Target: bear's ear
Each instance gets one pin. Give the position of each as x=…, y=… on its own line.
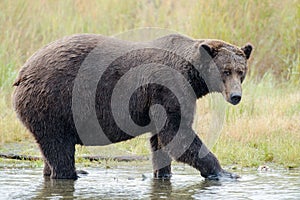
x=247, y=49
x=207, y=49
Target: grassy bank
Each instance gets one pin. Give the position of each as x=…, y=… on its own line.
x=263, y=128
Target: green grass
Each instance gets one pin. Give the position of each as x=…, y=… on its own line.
x=263, y=128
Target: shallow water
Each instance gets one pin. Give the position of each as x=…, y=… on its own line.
x=129, y=182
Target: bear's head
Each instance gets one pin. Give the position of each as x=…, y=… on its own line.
x=223, y=67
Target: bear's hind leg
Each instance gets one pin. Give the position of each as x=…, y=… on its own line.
x=47, y=169
x=59, y=155
x=161, y=160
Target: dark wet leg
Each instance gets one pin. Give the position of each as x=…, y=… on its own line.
x=192, y=151
x=47, y=169
x=161, y=160
x=59, y=155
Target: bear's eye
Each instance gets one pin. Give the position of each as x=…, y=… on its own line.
x=240, y=73
x=227, y=73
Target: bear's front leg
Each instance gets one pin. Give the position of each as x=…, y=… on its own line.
x=161, y=160
x=194, y=153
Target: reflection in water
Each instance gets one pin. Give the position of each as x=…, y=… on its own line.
x=137, y=183
x=56, y=188
x=162, y=189
x=116, y=187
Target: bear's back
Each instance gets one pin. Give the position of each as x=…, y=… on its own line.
x=64, y=54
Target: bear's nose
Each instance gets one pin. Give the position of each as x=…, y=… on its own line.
x=235, y=98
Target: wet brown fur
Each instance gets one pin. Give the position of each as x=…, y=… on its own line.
x=43, y=96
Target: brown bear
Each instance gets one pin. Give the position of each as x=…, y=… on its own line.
x=91, y=89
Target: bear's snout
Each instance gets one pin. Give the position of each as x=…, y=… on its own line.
x=235, y=98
